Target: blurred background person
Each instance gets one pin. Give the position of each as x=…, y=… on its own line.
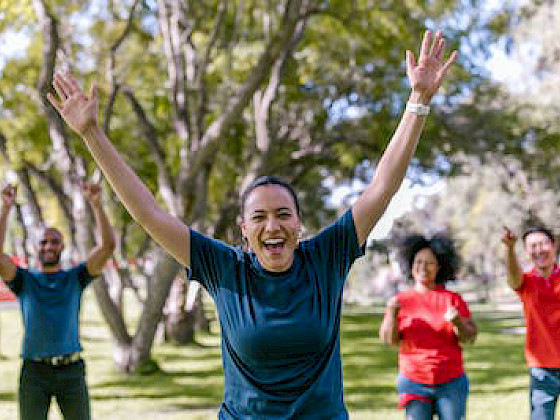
x=539, y=290
x=50, y=299
x=428, y=323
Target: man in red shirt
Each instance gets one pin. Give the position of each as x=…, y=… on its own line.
x=539, y=290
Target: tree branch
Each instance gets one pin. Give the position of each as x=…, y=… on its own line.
x=263, y=100
x=61, y=197
x=23, y=177
x=173, y=43
x=200, y=82
x=295, y=11
x=150, y=134
x=51, y=45
x=115, y=85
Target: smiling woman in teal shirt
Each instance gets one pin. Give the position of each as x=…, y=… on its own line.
x=278, y=304
x=280, y=329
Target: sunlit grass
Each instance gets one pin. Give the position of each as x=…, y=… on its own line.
x=190, y=385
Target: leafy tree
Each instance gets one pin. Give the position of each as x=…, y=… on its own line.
x=531, y=43
x=492, y=192
x=203, y=96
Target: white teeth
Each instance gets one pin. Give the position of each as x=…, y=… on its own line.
x=273, y=241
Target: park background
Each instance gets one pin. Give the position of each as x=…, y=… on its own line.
x=202, y=96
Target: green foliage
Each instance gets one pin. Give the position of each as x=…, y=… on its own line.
x=16, y=15
x=340, y=94
x=489, y=193
x=532, y=27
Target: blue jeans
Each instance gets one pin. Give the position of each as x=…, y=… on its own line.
x=545, y=388
x=449, y=400
x=39, y=382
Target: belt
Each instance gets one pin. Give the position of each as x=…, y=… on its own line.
x=65, y=359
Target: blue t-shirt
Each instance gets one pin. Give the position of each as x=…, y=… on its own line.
x=280, y=331
x=50, y=307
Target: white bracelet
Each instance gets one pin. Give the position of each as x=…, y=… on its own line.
x=418, y=108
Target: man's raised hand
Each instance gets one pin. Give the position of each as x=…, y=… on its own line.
x=92, y=193
x=8, y=196
x=508, y=237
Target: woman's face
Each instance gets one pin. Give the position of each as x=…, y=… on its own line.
x=271, y=226
x=425, y=268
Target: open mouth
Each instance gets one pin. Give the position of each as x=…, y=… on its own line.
x=275, y=245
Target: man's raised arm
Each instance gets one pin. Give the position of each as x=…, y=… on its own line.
x=7, y=267
x=105, y=239
x=514, y=272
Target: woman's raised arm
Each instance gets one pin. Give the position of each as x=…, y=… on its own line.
x=79, y=110
x=425, y=78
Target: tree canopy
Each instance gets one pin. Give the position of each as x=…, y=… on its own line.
x=203, y=96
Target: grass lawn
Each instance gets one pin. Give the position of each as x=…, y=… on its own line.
x=191, y=386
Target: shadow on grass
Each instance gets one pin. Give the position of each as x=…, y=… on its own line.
x=198, y=388
x=192, y=376
x=197, y=394
x=369, y=367
x=497, y=358
x=7, y=396
x=180, y=354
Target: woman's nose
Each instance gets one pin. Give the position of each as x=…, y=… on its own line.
x=271, y=223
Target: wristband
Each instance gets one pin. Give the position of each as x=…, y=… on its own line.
x=418, y=108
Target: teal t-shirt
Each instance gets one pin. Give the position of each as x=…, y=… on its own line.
x=50, y=307
x=280, y=331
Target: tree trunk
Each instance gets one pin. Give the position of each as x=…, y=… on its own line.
x=184, y=313
x=200, y=139
x=129, y=359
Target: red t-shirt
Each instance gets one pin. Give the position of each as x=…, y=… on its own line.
x=541, y=305
x=429, y=350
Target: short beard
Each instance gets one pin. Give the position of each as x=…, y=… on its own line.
x=50, y=263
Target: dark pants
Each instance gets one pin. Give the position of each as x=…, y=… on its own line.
x=39, y=382
x=545, y=389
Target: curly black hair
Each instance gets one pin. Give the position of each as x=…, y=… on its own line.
x=443, y=248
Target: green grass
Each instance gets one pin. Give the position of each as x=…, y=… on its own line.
x=190, y=386
x=495, y=366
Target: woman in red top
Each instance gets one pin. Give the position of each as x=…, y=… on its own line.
x=428, y=323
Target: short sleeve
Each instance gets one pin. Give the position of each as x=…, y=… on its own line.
x=524, y=285
x=336, y=247
x=83, y=275
x=17, y=283
x=461, y=306
x=212, y=262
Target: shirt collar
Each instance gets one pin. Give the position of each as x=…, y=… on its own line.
x=555, y=271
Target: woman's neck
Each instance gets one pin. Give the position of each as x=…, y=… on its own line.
x=422, y=288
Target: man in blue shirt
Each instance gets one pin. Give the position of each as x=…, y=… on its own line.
x=50, y=304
